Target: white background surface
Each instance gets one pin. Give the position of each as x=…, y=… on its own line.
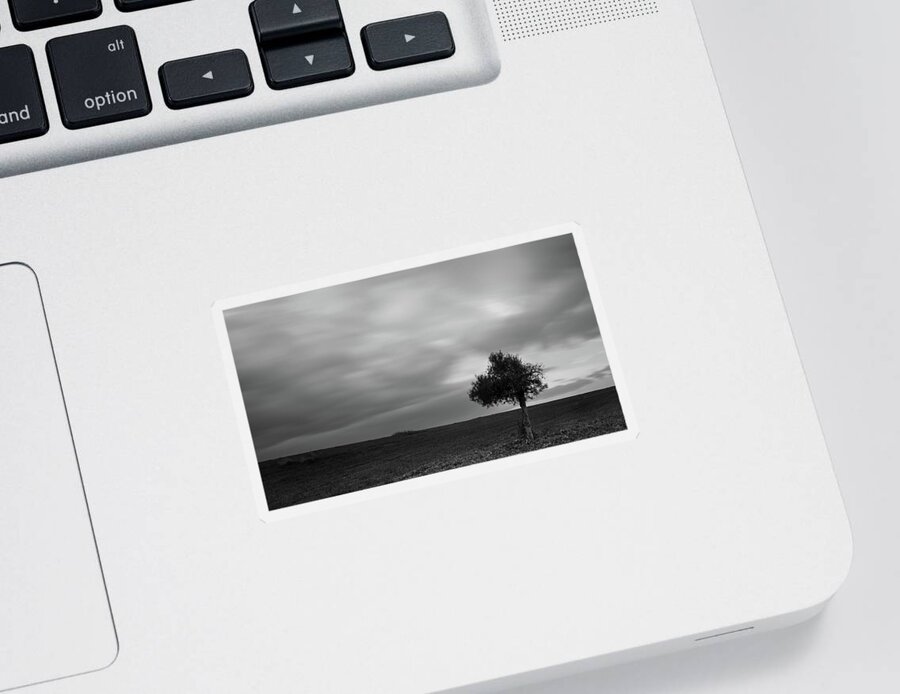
x=812, y=93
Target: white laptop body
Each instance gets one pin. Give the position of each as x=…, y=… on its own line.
x=239, y=407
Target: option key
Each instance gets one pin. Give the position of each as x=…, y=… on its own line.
x=99, y=77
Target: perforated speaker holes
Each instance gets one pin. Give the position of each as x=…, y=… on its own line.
x=520, y=19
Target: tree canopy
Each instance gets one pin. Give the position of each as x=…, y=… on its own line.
x=508, y=380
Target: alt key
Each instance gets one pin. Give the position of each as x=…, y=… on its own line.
x=99, y=77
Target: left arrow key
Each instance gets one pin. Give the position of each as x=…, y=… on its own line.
x=206, y=79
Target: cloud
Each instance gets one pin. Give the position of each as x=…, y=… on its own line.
x=369, y=358
x=605, y=372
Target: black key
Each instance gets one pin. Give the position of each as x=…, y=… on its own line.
x=131, y=5
x=296, y=64
x=407, y=41
x=284, y=19
x=99, y=77
x=22, y=111
x=206, y=79
x=37, y=14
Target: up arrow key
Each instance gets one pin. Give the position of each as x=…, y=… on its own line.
x=288, y=21
x=408, y=37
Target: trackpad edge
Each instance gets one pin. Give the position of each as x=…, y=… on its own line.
x=55, y=618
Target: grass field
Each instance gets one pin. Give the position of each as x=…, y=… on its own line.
x=330, y=472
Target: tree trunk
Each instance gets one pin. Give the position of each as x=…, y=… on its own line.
x=526, y=422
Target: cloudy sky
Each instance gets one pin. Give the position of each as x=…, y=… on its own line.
x=367, y=359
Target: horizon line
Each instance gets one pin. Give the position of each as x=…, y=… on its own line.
x=415, y=431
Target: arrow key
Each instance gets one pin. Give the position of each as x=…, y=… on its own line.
x=408, y=40
x=296, y=64
x=205, y=79
x=275, y=20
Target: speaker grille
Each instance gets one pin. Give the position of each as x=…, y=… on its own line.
x=520, y=19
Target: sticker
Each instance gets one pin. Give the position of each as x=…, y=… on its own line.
x=364, y=384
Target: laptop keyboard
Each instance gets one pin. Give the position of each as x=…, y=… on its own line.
x=99, y=77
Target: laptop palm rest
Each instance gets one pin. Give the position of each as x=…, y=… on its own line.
x=55, y=619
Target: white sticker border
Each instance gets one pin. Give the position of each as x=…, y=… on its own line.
x=496, y=466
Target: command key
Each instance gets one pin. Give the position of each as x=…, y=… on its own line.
x=22, y=111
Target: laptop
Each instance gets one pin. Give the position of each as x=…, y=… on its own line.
x=386, y=347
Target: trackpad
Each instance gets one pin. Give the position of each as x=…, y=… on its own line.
x=55, y=619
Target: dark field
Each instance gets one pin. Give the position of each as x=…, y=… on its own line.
x=330, y=472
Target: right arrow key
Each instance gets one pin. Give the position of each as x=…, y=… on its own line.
x=407, y=41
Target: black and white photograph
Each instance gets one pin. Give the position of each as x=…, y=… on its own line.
x=423, y=370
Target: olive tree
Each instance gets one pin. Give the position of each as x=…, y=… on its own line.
x=509, y=380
